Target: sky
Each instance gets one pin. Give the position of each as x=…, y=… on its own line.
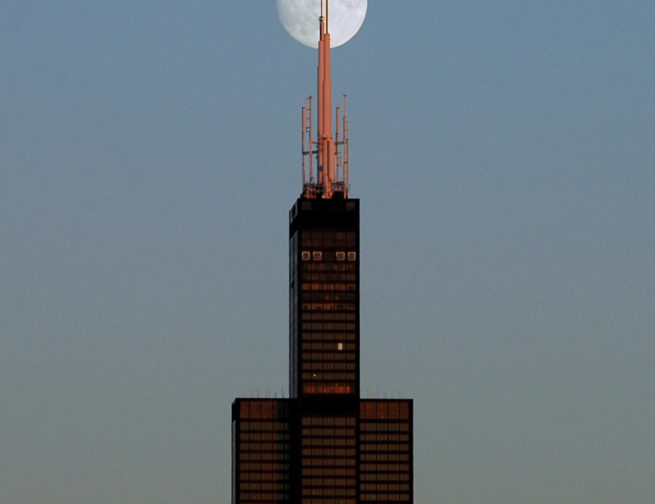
x=504, y=155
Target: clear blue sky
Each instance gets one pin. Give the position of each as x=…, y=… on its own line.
x=504, y=154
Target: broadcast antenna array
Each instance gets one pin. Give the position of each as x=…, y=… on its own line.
x=329, y=178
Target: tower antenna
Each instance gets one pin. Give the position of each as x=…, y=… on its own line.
x=331, y=154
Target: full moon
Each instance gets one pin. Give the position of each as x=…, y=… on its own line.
x=300, y=19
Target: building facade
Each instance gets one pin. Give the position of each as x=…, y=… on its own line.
x=322, y=451
x=324, y=444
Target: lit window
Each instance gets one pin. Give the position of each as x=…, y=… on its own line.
x=341, y=256
x=317, y=255
x=305, y=255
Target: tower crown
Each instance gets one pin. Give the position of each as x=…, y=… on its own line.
x=330, y=178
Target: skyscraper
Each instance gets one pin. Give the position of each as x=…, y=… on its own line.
x=324, y=444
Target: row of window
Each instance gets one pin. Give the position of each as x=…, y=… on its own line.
x=385, y=487
x=329, y=462
x=374, y=480
x=322, y=471
x=328, y=255
x=328, y=377
x=342, y=356
x=270, y=497
x=327, y=366
x=384, y=457
x=378, y=410
x=332, y=482
x=384, y=427
x=384, y=437
x=265, y=487
x=380, y=472
x=264, y=468
x=338, y=316
x=335, y=337
x=323, y=234
x=329, y=306
x=328, y=432
x=384, y=498
x=328, y=452
x=265, y=447
x=329, y=267
x=258, y=456
x=265, y=426
x=328, y=421
x=263, y=436
x=319, y=500
x=263, y=408
x=333, y=345
x=325, y=297
x=310, y=237
x=326, y=388
x=328, y=326
x=384, y=447
x=328, y=441
x=329, y=492
x=385, y=476
x=325, y=442
x=279, y=475
x=378, y=469
x=324, y=276
x=329, y=286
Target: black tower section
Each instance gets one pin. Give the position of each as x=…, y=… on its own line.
x=323, y=445
x=324, y=298
x=324, y=348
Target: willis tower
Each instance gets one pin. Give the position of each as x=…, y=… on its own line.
x=324, y=444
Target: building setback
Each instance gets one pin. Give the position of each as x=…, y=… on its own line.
x=324, y=444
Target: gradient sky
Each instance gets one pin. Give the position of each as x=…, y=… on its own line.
x=504, y=154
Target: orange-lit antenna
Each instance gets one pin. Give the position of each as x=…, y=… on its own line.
x=331, y=156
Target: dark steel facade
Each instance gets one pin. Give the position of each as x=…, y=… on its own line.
x=324, y=298
x=323, y=445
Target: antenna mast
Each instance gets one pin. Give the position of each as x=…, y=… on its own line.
x=331, y=155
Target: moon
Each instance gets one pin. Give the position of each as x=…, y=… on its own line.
x=300, y=19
